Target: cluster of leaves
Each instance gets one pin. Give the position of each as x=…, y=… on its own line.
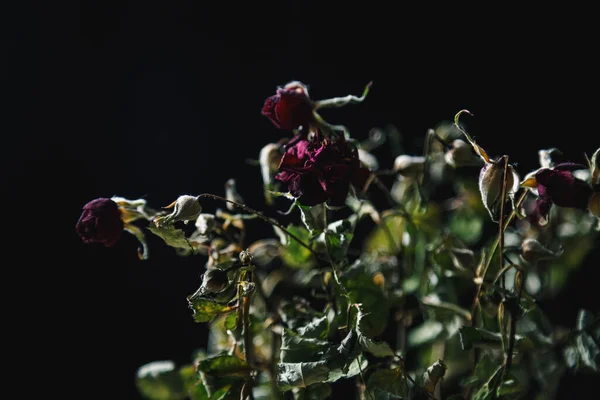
x=423, y=285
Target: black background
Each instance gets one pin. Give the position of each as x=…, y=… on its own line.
x=137, y=99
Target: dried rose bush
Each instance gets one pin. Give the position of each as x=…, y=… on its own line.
x=377, y=276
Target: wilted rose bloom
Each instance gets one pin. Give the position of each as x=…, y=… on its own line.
x=100, y=222
x=559, y=186
x=320, y=170
x=290, y=107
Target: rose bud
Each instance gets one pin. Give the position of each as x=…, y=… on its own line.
x=214, y=280
x=206, y=223
x=491, y=180
x=461, y=154
x=100, y=222
x=559, y=186
x=533, y=251
x=290, y=107
x=186, y=208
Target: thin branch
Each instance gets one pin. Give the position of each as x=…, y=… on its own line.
x=491, y=254
x=342, y=101
x=264, y=218
x=501, y=222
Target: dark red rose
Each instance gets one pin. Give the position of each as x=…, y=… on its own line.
x=100, y=222
x=559, y=186
x=290, y=107
x=320, y=170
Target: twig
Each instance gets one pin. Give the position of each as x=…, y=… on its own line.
x=513, y=331
x=264, y=218
x=491, y=255
x=342, y=101
x=501, y=222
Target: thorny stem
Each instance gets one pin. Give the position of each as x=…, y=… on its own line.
x=491, y=255
x=513, y=332
x=501, y=222
x=245, y=314
x=264, y=218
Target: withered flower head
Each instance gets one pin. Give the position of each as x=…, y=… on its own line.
x=319, y=170
x=100, y=222
x=550, y=157
x=491, y=182
x=533, y=251
x=214, y=280
x=290, y=107
x=186, y=208
x=460, y=154
x=559, y=186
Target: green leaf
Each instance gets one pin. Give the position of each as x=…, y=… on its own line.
x=293, y=254
x=172, y=236
x=295, y=348
x=488, y=390
x=231, y=321
x=224, y=364
x=301, y=375
x=388, y=384
x=375, y=304
x=480, y=338
x=206, y=309
x=348, y=369
x=338, y=240
x=313, y=218
x=318, y=328
x=223, y=374
x=378, y=349
x=193, y=384
x=483, y=370
x=426, y=333
x=466, y=225
x=386, y=238
x=160, y=380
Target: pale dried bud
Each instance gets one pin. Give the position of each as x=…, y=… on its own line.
x=491, y=180
x=214, y=280
x=409, y=166
x=594, y=204
x=533, y=251
x=232, y=194
x=206, y=223
x=368, y=159
x=461, y=154
x=245, y=257
x=269, y=159
x=550, y=157
x=186, y=208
